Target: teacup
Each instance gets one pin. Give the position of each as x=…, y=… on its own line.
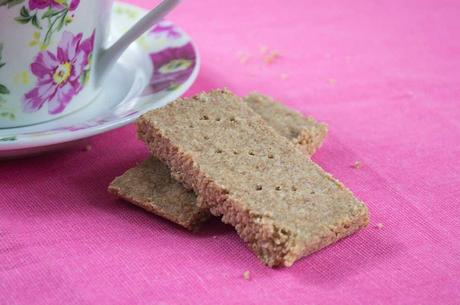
x=53, y=56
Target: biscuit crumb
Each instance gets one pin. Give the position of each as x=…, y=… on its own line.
x=271, y=56
x=357, y=165
x=88, y=148
x=268, y=55
x=379, y=226
x=246, y=275
x=263, y=49
x=243, y=57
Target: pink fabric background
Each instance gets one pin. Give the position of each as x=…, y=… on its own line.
x=385, y=76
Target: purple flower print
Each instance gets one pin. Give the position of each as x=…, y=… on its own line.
x=73, y=5
x=59, y=74
x=42, y=4
x=172, y=67
x=165, y=28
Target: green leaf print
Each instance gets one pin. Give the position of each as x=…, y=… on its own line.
x=51, y=18
x=10, y=3
x=4, y=89
x=24, y=12
x=35, y=22
x=25, y=17
x=1, y=50
x=56, y=21
x=50, y=13
x=7, y=115
x=6, y=139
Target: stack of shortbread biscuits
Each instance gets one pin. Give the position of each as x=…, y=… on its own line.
x=245, y=160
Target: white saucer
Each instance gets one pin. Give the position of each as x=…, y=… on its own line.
x=155, y=70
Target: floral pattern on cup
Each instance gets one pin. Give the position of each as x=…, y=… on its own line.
x=172, y=67
x=55, y=13
x=4, y=91
x=61, y=75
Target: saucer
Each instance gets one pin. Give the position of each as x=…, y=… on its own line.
x=157, y=69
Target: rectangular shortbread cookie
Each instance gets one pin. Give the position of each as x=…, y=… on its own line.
x=303, y=131
x=149, y=186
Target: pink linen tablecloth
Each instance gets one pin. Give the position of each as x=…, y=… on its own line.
x=385, y=76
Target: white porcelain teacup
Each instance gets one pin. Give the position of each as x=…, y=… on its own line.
x=52, y=55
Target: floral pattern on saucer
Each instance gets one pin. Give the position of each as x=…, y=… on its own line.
x=172, y=67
